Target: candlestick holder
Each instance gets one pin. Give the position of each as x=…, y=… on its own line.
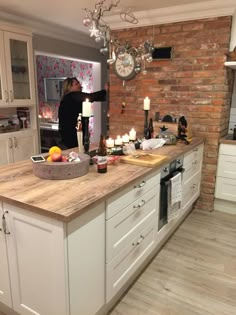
x=86, y=135
x=146, y=124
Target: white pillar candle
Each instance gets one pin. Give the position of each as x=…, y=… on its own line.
x=110, y=143
x=118, y=141
x=132, y=134
x=87, y=109
x=125, y=138
x=146, y=103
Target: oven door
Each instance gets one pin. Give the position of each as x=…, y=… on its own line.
x=168, y=211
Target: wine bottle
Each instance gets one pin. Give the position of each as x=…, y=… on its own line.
x=102, y=156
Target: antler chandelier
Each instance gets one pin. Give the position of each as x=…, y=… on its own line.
x=102, y=33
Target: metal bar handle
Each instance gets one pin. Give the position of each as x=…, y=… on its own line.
x=11, y=96
x=4, y=223
x=6, y=96
x=10, y=143
x=140, y=185
x=139, y=241
x=15, y=142
x=141, y=204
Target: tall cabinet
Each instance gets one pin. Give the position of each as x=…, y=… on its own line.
x=17, y=89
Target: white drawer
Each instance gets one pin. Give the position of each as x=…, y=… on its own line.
x=194, y=154
x=191, y=190
x=225, y=189
x=127, y=196
x=192, y=163
x=125, y=225
x=227, y=149
x=123, y=266
x=227, y=166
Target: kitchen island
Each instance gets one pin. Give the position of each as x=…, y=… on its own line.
x=60, y=238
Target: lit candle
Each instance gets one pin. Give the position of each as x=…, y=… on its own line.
x=118, y=141
x=87, y=109
x=132, y=134
x=110, y=143
x=125, y=138
x=146, y=103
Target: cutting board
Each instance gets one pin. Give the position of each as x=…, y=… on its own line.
x=149, y=160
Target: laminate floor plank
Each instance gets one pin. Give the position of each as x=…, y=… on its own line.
x=193, y=274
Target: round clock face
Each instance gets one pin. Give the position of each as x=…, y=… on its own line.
x=124, y=67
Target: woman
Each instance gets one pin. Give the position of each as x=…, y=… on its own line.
x=70, y=107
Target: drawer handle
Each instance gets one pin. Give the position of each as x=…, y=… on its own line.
x=140, y=185
x=195, y=162
x=138, y=241
x=196, y=149
x=4, y=224
x=194, y=186
x=141, y=204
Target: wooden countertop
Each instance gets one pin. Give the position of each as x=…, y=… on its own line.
x=228, y=139
x=67, y=199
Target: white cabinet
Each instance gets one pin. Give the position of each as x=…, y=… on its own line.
x=35, y=251
x=226, y=173
x=132, y=218
x=48, y=267
x=191, y=177
x=5, y=289
x=17, y=84
x=17, y=146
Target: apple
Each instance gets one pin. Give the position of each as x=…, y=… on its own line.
x=56, y=157
x=64, y=158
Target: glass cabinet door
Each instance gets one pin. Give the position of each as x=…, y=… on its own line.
x=3, y=78
x=20, y=71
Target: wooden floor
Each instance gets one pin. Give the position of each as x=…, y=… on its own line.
x=193, y=274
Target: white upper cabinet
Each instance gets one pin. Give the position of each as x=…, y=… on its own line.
x=17, y=84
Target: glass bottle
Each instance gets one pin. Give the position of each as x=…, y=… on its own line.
x=102, y=156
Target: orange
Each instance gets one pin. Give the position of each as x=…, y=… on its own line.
x=49, y=158
x=54, y=149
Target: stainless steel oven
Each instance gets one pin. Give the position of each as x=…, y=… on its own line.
x=167, y=210
x=49, y=136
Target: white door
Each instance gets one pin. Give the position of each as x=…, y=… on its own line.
x=5, y=289
x=4, y=97
x=36, y=262
x=6, y=149
x=24, y=146
x=20, y=70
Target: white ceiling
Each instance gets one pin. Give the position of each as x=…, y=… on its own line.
x=68, y=15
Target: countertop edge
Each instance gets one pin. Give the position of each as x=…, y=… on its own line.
x=140, y=171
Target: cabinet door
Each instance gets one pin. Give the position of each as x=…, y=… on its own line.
x=24, y=145
x=5, y=289
x=20, y=70
x=3, y=79
x=36, y=263
x=6, y=149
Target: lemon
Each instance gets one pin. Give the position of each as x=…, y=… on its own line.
x=49, y=158
x=54, y=149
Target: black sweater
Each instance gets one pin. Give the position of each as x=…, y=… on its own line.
x=69, y=109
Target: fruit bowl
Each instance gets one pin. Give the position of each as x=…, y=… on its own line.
x=62, y=170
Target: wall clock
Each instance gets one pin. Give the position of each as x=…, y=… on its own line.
x=125, y=67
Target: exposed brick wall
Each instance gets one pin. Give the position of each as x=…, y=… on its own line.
x=194, y=83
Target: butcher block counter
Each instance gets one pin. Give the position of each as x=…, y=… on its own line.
x=66, y=199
